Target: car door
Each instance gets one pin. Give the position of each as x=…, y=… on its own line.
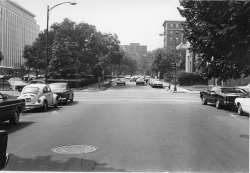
x=48, y=94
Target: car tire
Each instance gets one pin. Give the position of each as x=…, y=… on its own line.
x=20, y=89
x=45, y=106
x=203, y=100
x=240, y=111
x=15, y=119
x=217, y=104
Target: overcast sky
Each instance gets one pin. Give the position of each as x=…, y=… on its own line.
x=134, y=21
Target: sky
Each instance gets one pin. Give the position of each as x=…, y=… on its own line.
x=134, y=21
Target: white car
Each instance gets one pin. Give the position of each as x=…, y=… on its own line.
x=246, y=88
x=120, y=81
x=38, y=96
x=16, y=84
x=157, y=83
x=243, y=105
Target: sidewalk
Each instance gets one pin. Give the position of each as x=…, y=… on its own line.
x=178, y=89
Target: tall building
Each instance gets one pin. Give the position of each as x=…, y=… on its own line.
x=173, y=35
x=135, y=49
x=18, y=28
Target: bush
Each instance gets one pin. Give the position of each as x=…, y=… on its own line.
x=189, y=78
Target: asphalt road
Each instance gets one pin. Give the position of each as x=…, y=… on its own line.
x=131, y=128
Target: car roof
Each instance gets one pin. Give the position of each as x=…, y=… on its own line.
x=36, y=85
x=58, y=83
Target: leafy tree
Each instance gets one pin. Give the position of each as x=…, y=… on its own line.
x=219, y=33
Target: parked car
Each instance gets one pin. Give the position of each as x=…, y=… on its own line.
x=4, y=156
x=16, y=84
x=156, y=83
x=39, y=96
x=37, y=81
x=127, y=76
x=222, y=96
x=246, y=88
x=10, y=109
x=151, y=80
x=140, y=81
x=120, y=81
x=133, y=78
x=147, y=78
x=243, y=105
x=64, y=92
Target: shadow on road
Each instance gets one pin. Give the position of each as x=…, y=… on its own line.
x=45, y=163
x=12, y=128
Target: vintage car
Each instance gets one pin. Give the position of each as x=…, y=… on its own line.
x=133, y=78
x=120, y=80
x=243, y=105
x=222, y=96
x=64, y=92
x=246, y=88
x=4, y=156
x=10, y=109
x=39, y=96
x=156, y=83
x=16, y=84
x=140, y=81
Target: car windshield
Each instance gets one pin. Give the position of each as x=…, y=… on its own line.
x=57, y=86
x=232, y=90
x=34, y=90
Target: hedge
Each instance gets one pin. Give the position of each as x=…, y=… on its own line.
x=190, y=78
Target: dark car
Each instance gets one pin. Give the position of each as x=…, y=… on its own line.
x=64, y=92
x=11, y=109
x=4, y=156
x=222, y=96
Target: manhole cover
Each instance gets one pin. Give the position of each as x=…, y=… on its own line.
x=74, y=149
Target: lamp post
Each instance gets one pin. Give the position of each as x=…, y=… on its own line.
x=175, y=65
x=47, y=35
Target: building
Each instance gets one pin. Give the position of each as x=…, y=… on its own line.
x=17, y=29
x=135, y=49
x=173, y=35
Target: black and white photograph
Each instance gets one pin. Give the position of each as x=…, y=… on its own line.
x=124, y=85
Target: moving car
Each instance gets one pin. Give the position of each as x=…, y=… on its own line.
x=39, y=96
x=140, y=81
x=16, y=84
x=222, y=96
x=10, y=109
x=120, y=81
x=64, y=92
x=156, y=83
x=243, y=105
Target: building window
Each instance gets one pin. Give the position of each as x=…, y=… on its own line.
x=177, y=39
x=171, y=25
x=177, y=25
x=171, y=32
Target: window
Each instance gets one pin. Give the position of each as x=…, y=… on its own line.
x=171, y=25
x=171, y=32
x=177, y=25
x=177, y=39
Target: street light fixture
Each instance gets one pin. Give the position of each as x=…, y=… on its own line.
x=47, y=34
x=175, y=66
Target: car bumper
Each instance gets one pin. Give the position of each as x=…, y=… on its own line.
x=33, y=106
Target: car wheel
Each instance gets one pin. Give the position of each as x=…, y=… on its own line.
x=240, y=111
x=15, y=119
x=203, y=100
x=20, y=89
x=45, y=106
x=217, y=104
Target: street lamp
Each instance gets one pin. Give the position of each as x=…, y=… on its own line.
x=47, y=34
x=175, y=66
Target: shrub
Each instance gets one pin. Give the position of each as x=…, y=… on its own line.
x=190, y=78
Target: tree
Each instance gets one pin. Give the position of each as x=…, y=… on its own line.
x=1, y=56
x=218, y=32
